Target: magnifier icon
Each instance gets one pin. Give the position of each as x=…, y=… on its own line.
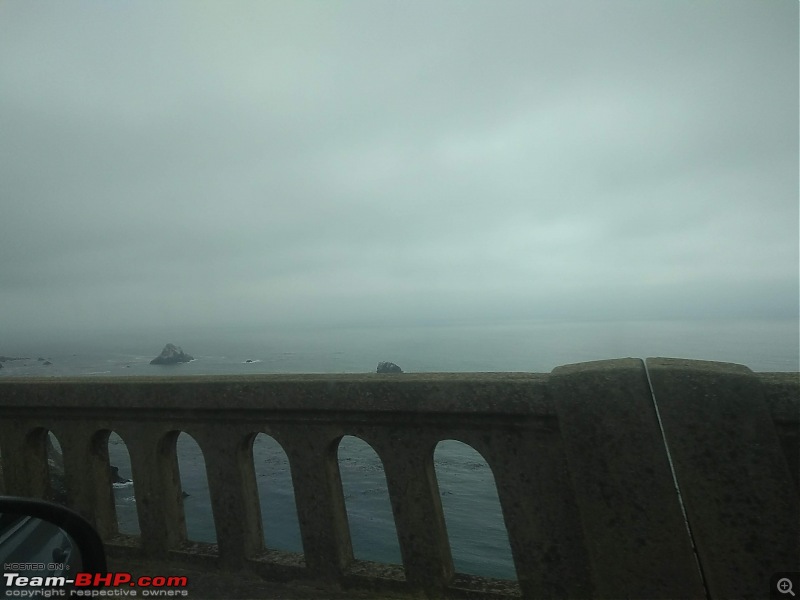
x=785, y=586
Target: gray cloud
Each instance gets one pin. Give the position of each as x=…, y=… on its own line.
x=198, y=164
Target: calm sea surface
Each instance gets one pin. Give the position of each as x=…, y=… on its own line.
x=477, y=535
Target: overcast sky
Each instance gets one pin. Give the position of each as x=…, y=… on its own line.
x=213, y=164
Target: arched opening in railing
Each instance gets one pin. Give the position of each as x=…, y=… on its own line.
x=55, y=466
x=369, y=511
x=194, y=486
x=276, y=495
x=475, y=525
x=122, y=485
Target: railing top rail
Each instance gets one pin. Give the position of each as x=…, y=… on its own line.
x=285, y=377
x=463, y=393
x=494, y=393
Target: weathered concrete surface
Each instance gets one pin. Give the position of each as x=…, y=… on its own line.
x=541, y=515
x=294, y=396
x=234, y=492
x=321, y=511
x=742, y=506
x=634, y=529
x=581, y=468
x=780, y=393
x=414, y=493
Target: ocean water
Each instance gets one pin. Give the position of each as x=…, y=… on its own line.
x=537, y=346
x=475, y=528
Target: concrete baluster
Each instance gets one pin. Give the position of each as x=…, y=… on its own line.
x=321, y=511
x=414, y=492
x=228, y=455
x=154, y=463
x=25, y=461
x=87, y=476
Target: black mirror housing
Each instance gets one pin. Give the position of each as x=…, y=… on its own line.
x=42, y=539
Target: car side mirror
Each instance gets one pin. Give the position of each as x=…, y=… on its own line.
x=40, y=539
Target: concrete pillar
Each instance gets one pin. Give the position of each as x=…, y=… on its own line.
x=539, y=508
x=87, y=476
x=25, y=460
x=636, y=536
x=159, y=504
x=321, y=511
x=741, y=502
x=407, y=458
x=228, y=455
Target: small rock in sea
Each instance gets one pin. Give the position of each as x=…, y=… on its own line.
x=388, y=367
x=115, y=476
x=171, y=355
x=248, y=361
x=47, y=362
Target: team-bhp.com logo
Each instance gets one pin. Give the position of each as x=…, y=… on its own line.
x=93, y=585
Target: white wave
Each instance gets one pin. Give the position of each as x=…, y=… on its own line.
x=251, y=362
x=120, y=486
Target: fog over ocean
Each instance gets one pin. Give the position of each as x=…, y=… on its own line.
x=537, y=346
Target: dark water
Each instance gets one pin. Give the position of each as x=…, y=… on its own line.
x=476, y=532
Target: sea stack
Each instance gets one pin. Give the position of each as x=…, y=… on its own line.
x=170, y=355
x=388, y=367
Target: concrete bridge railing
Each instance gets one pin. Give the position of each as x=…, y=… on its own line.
x=662, y=479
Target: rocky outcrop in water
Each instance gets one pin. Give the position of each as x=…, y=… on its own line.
x=116, y=477
x=388, y=367
x=171, y=355
x=58, y=487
